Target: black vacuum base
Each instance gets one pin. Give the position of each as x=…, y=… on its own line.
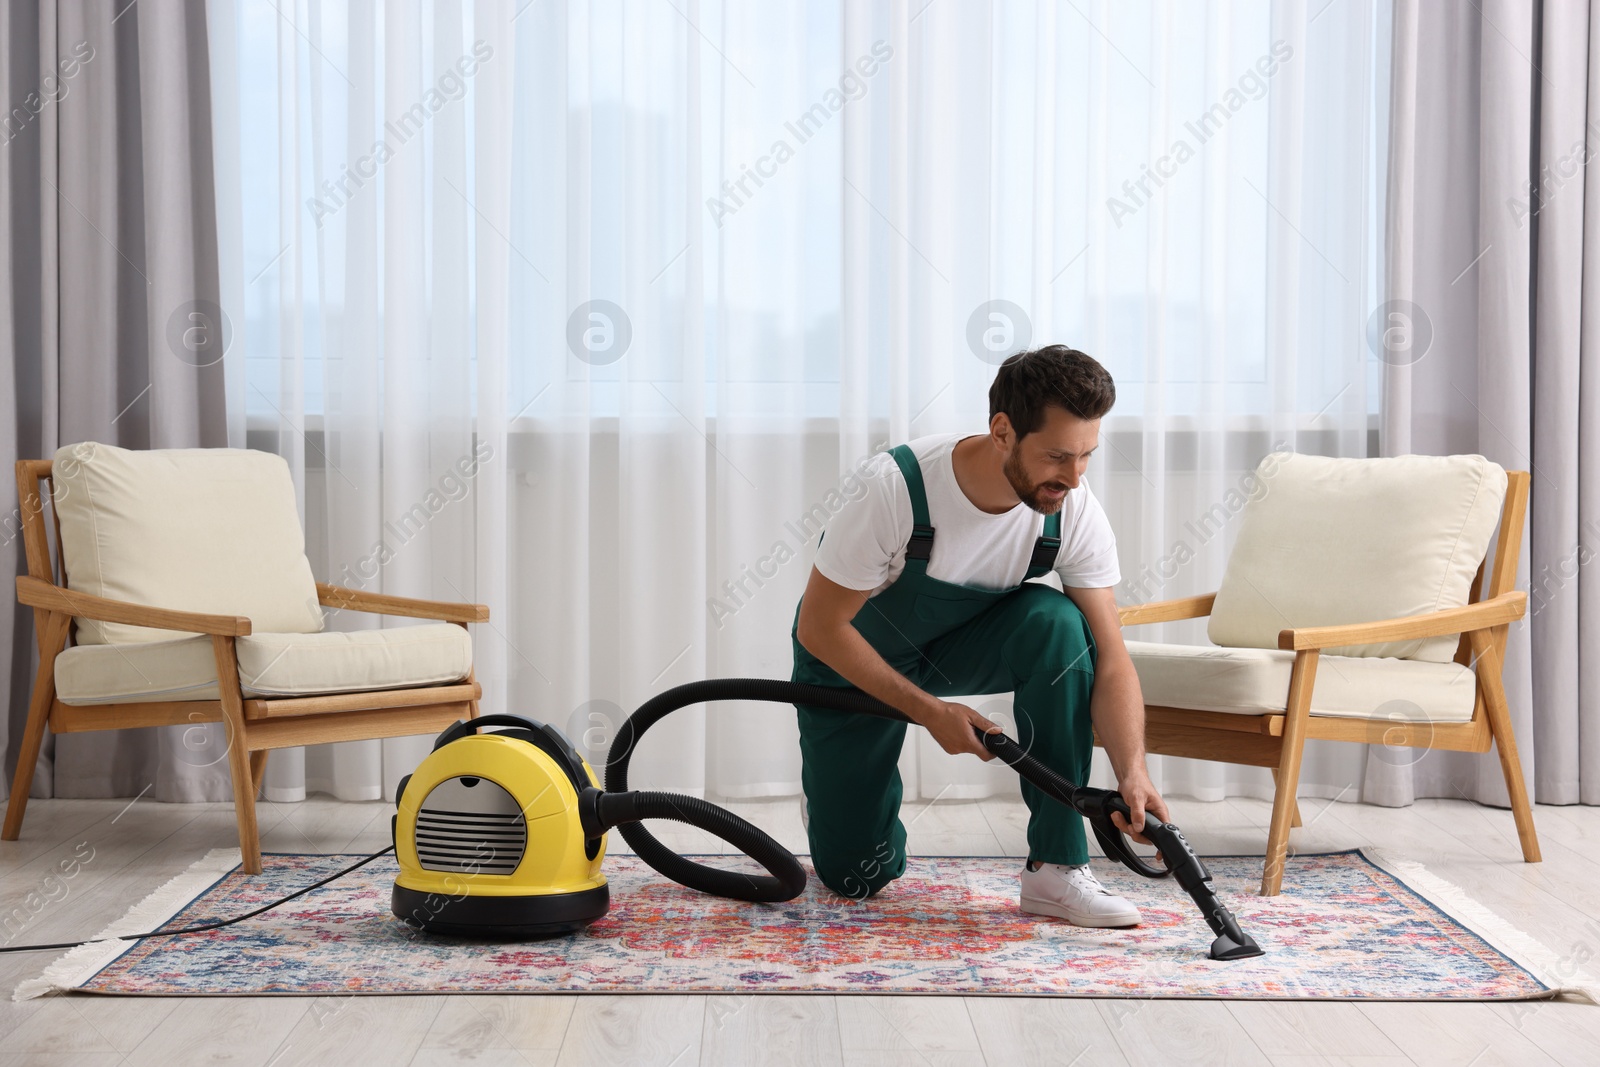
x=1226, y=948
x=536, y=915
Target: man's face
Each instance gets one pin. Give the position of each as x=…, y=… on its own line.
x=1047, y=463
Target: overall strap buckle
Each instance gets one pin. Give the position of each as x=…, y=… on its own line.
x=921, y=544
x=1044, y=553
x=1045, y=549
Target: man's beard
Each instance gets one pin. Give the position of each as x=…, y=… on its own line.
x=1030, y=492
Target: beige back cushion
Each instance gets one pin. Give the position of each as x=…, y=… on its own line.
x=1328, y=541
x=212, y=530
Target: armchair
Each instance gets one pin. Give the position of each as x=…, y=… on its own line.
x=1359, y=604
x=181, y=577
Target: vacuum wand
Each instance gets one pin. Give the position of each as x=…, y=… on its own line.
x=1097, y=805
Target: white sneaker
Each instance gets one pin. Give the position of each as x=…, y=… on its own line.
x=1074, y=894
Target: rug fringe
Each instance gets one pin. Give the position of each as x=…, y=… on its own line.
x=85, y=961
x=1525, y=950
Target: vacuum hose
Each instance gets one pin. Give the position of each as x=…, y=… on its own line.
x=787, y=879
x=624, y=809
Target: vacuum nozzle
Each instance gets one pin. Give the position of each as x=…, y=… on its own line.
x=1226, y=948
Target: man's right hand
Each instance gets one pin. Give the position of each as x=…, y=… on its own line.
x=952, y=726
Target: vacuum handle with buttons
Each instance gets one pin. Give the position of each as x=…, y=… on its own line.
x=1097, y=805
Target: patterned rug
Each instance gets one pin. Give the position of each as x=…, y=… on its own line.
x=1349, y=925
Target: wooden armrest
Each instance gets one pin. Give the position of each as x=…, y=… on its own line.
x=38, y=593
x=1189, y=607
x=1505, y=608
x=337, y=596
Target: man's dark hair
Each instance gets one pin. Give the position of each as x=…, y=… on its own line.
x=1029, y=381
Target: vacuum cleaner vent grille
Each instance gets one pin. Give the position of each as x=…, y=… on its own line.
x=470, y=825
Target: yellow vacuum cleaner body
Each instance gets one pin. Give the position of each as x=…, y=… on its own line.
x=489, y=838
x=501, y=835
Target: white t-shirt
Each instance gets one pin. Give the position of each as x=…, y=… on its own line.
x=865, y=543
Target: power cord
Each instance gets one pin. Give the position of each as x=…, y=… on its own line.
x=203, y=926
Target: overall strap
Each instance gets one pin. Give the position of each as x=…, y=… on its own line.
x=1045, y=549
x=920, y=547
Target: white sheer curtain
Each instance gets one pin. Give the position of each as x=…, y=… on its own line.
x=588, y=311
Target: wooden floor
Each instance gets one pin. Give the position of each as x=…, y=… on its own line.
x=137, y=848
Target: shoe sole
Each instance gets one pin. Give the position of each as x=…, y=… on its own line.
x=1059, y=911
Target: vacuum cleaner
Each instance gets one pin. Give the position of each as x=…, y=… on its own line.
x=501, y=834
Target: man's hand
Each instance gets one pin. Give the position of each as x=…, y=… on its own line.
x=952, y=726
x=1141, y=797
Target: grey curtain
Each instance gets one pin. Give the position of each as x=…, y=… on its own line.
x=110, y=294
x=1494, y=242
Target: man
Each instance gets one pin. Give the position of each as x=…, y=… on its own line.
x=919, y=592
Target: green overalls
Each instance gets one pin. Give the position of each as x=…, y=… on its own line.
x=950, y=640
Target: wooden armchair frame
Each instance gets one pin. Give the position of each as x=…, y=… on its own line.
x=254, y=726
x=1277, y=739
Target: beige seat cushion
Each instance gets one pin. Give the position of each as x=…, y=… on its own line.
x=1252, y=681
x=213, y=530
x=1328, y=541
x=269, y=665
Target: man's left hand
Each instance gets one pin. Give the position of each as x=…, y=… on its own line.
x=1141, y=797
